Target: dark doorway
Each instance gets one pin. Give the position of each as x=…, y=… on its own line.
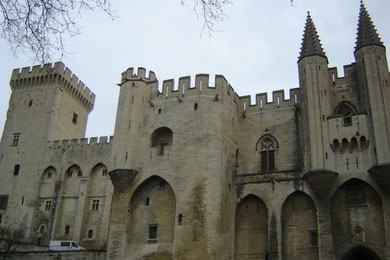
x=360, y=253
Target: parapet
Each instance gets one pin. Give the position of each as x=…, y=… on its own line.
x=140, y=75
x=82, y=142
x=56, y=74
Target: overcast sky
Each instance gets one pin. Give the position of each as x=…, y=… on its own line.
x=256, y=48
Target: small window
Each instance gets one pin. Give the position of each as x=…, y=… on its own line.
x=196, y=106
x=147, y=202
x=162, y=147
x=1, y=218
x=3, y=201
x=74, y=119
x=90, y=233
x=22, y=200
x=67, y=231
x=313, y=238
x=159, y=111
x=80, y=174
x=15, y=141
x=152, y=234
x=95, y=204
x=16, y=169
x=162, y=184
x=104, y=171
x=49, y=174
x=347, y=121
x=42, y=229
x=30, y=103
x=48, y=205
x=180, y=219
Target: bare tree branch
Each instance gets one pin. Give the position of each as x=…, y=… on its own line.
x=39, y=27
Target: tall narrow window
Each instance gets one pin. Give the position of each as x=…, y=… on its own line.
x=1, y=218
x=16, y=169
x=313, y=238
x=15, y=142
x=267, y=152
x=3, y=201
x=90, y=233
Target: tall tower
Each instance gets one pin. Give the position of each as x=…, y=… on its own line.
x=314, y=82
x=47, y=103
x=374, y=83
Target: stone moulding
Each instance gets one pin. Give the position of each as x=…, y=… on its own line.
x=381, y=174
x=122, y=179
x=320, y=181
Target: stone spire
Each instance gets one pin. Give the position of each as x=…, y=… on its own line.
x=366, y=34
x=311, y=44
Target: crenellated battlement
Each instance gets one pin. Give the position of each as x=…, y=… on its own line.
x=82, y=142
x=129, y=74
x=348, y=70
x=222, y=88
x=56, y=74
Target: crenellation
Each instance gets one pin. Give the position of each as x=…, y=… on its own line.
x=140, y=75
x=92, y=141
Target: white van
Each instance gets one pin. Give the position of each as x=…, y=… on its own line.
x=64, y=246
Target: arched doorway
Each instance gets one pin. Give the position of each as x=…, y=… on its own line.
x=360, y=253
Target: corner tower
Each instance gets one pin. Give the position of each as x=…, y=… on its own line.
x=314, y=83
x=374, y=83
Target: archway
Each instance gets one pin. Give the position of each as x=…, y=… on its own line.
x=360, y=253
x=251, y=232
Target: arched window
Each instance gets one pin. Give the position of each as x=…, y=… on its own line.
x=90, y=233
x=161, y=138
x=336, y=145
x=42, y=229
x=267, y=153
x=346, y=109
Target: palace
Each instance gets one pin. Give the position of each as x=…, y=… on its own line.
x=195, y=171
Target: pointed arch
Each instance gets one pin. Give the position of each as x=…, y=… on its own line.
x=152, y=214
x=251, y=228
x=360, y=253
x=356, y=217
x=47, y=182
x=299, y=227
x=267, y=145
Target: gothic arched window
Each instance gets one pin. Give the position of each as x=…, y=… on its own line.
x=346, y=109
x=267, y=153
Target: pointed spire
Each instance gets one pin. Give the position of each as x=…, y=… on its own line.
x=367, y=34
x=311, y=44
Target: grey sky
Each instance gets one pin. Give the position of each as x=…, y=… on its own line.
x=256, y=48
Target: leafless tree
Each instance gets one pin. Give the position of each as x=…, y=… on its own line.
x=39, y=27
x=10, y=239
x=211, y=11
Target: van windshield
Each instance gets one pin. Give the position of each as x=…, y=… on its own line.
x=74, y=244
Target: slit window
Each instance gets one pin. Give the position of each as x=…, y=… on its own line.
x=67, y=230
x=74, y=119
x=16, y=169
x=48, y=205
x=95, y=204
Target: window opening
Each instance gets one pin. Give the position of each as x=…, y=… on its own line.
x=74, y=119
x=16, y=169
x=22, y=200
x=79, y=174
x=162, y=184
x=159, y=111
x=104, y=171
x=48, y=205
x=180, y=219
x=267, y=152
x=15, y=141
x=3, y=201
x=49, y=174
x=147, y=201
x=196, y=106
x=90, y=233
x=355, y=195
x=152, y=234
x=95, y=204
x=67, y=231
x=42, y=229
x=314, y=238
x=1, y=218
x=69, y=174
x=30, y=103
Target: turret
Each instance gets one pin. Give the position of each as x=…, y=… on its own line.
x=374, y=83
x=314, y=83
x=135, y=94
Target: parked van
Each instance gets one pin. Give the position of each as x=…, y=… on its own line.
x=64, y=246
